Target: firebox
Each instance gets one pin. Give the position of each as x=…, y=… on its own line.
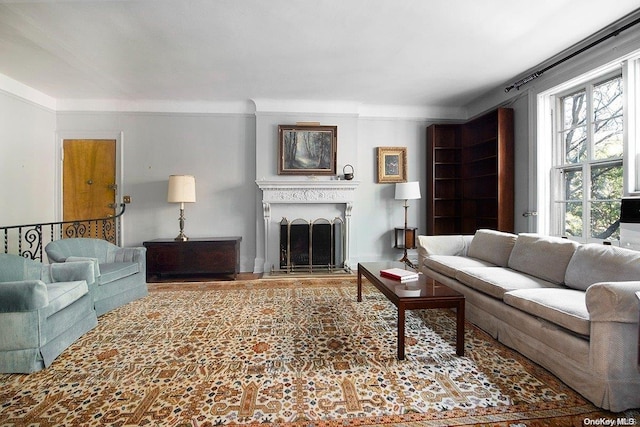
x=311, y=245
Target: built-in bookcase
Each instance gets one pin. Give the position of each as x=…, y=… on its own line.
x=470, y=175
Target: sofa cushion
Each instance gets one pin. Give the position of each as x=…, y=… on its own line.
x=113, y=271
x=495, y=281
x=63, y=294
x=492, y=246
x=564, y=307
x=449, y=264
x=594, y=263
x=542, y=256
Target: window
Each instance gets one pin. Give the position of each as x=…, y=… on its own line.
x=587, y=172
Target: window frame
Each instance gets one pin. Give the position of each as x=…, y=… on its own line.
x=544, y=186
x=560, y=166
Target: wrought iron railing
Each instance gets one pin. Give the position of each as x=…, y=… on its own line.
x=29, y=240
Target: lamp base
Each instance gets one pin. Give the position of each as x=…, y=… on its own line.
x=181, y=237
x=407, y=261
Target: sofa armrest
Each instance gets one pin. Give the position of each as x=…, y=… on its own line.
x=613, y=302
x=23, y=296
x=443, y=245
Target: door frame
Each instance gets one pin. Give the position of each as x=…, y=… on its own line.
x=116, y=135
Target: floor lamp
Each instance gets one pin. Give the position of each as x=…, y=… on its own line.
x=407, y=191
x=182, y=189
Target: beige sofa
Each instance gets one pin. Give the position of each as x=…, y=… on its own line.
x=570, y=308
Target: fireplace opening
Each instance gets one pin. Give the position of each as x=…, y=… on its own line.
x=309, y=246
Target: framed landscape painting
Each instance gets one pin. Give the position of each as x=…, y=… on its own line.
x=307, y=150
x=392, y=164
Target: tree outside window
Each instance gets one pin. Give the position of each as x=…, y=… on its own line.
x=589, y=170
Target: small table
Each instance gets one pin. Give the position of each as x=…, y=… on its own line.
x=405, y=237
x=433, y=295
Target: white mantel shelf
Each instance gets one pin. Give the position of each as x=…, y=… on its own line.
x=310, y=191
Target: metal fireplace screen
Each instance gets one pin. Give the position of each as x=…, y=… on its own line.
x=308, y=246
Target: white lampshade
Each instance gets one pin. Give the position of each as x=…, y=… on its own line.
x=182, y=189
x=408, y=190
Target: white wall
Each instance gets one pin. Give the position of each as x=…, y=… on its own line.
x=226, y=153
x=27, y=161
x=375, y=212
x=218, y=149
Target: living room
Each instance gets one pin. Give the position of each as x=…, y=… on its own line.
x=238, y=139
x=230, y=144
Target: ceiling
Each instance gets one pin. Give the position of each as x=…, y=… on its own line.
x=378, y=52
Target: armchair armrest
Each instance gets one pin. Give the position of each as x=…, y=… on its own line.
x=23, y=296
x=136, y=254
x=71, y=271
x=133, y=254
x=94, y=261
x=613, y=302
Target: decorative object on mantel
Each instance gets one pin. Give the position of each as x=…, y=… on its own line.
x=307, y=150
x=392, y=164
x=407, y=191
x=182, y=189
x=347, y=175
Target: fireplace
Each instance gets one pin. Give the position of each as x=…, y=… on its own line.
x=306, y=199
x=311, y=246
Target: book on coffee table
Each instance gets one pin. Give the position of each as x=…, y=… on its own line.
x=399, y=274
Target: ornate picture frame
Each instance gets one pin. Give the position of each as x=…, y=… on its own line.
x=307, y=150
x=392, y=164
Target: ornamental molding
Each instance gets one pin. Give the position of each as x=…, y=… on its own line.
x=308, y=191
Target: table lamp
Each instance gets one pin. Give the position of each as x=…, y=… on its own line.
x=182, y=189
x=407, y=191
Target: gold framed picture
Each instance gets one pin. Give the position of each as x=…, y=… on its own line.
x=307, y=150
x=392, y=164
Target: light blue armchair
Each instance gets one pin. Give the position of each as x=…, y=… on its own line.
x=121, y=275
x=43, y=310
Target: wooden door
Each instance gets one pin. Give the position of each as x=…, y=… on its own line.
x=89, y=185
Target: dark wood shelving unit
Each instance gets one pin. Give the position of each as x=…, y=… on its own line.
x=470, y=175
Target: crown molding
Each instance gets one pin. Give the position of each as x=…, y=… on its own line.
x=20, y=90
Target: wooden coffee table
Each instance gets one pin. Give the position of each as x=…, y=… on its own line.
x=432, y=295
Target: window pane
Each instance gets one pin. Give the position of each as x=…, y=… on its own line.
x=606, y=182
x=573, y=184
x=604, y=220
x=607, y=99
x=573, y=219
x=574, y=110
x=575, y=146
x=608, y=138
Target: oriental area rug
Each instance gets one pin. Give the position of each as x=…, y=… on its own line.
x=290, y=352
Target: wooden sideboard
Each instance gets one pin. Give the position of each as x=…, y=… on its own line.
x=200, y=257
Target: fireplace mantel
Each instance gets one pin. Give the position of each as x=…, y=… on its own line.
x=309, y=191
x=340, y=192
